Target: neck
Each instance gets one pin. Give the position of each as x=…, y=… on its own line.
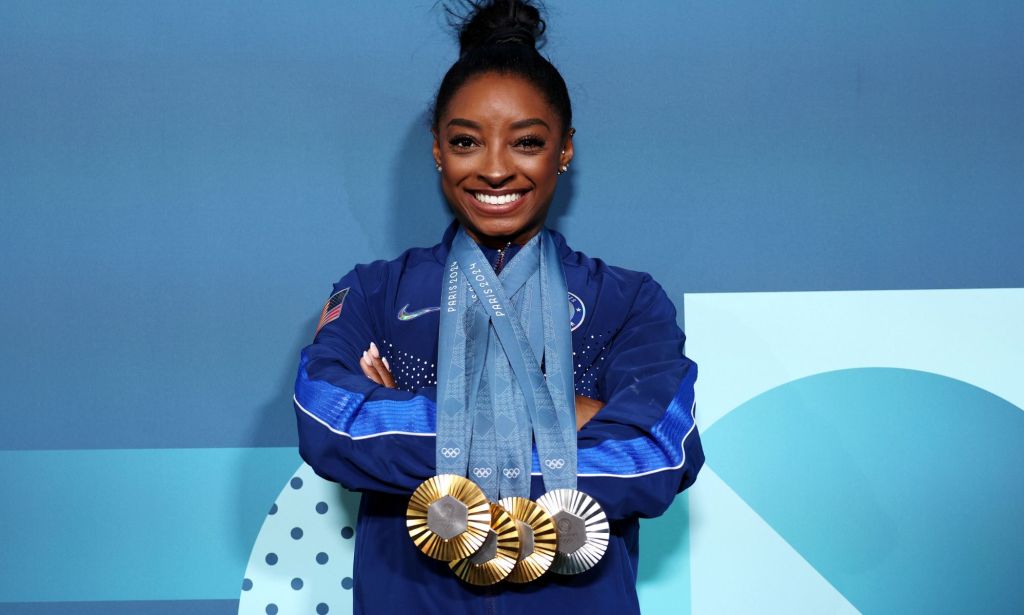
x=499, y=242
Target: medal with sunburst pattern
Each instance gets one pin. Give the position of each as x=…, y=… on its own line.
x=448, y=517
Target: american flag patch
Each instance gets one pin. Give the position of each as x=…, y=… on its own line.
x=332, y=309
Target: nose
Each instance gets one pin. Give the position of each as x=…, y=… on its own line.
x=497, y=167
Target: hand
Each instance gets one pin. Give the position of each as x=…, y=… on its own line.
x=375, y=367
x=586, y=408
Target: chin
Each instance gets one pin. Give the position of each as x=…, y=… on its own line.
x=502, y=231
x=499, y=230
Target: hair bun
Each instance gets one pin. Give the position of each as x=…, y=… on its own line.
x=497, y=22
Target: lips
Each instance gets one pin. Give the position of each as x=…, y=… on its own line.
x=498, y=199
x=493, y=202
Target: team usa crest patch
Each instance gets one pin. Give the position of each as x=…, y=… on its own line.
x=332, y=309
x=577, y=312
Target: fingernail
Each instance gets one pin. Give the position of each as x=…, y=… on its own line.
x=374, y=351
x=386, y=363
x=365, y=358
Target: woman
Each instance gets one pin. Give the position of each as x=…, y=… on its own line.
x=367, y=390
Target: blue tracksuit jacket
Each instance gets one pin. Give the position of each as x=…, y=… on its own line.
x=634, y=456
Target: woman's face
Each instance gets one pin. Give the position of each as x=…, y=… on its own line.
x=500, y=145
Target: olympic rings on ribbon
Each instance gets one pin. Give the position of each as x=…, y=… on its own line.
x=555, y=464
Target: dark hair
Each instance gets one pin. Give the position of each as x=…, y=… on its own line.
x=500, y=36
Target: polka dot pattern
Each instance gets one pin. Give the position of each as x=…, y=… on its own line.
x=588, y=361
x=410, y=371
x=301, y=561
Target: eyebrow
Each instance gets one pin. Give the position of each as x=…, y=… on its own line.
x=461, y=122
x=533, y=121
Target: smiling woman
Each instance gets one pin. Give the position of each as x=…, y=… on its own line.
x=500, y=146
x=499, y=366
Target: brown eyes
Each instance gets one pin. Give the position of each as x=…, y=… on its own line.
x=461, y=142
x=464, y=143
x=530, y=143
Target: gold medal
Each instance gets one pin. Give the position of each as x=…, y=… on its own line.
x=537, y=539
x=496, y=559
x=582, y=529
x=448, y=517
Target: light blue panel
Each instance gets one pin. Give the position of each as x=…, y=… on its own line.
x=168, y=524
x=664, y=578
x=900, y=487
x=320, y=556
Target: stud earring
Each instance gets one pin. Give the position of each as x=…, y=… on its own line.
x=438, y=166
x=563, y=169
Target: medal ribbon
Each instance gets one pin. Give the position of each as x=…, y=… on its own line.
x=493, y=399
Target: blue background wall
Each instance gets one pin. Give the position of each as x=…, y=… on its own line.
x=180, y=183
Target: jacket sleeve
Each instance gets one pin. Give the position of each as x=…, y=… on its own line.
x=642, y=447
x=351, y=430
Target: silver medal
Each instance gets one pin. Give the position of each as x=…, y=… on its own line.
x=582, y=529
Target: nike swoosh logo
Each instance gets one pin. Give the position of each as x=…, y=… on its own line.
x=403, y=315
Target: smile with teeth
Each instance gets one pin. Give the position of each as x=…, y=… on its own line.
x=503, y=199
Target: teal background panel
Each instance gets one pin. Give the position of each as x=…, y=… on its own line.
x=165, y=524
x=663, y=581
x=740, y=537
x=124, y=607
x=898, y=486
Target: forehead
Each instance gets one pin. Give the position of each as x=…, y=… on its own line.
x=493, y=99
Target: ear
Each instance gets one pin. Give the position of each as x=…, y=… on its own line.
x=436, y=148
x=567, y=149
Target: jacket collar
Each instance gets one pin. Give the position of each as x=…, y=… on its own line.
x=442, y=249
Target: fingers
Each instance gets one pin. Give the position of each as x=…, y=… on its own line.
x=368, y=369
x=381, y=365
x=375, y=367
x=385, y=373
